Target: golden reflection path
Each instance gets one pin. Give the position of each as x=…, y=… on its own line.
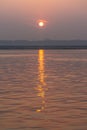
x=41, y=76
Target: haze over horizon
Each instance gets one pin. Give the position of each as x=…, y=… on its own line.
x=66, y=19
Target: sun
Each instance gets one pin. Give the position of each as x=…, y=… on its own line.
x=41, y=23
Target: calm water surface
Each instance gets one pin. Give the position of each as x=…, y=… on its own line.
x=43, y=90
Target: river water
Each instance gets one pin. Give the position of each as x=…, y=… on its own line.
x=43, y=90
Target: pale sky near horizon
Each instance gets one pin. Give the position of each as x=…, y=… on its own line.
x=66, y=19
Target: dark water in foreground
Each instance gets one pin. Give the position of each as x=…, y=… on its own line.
x=43, y=90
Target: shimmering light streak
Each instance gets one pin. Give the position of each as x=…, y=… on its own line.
x=42, y=85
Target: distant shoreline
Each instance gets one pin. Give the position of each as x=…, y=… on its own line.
x=47, y=44
x=40, y=47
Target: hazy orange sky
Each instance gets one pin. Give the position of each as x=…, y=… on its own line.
x=67, y=19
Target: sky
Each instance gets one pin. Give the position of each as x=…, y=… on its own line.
x=65, y=19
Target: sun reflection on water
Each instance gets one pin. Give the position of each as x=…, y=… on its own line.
x=41, y=76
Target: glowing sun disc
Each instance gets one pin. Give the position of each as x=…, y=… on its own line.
x=41, y=23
